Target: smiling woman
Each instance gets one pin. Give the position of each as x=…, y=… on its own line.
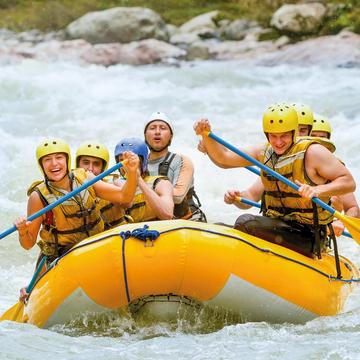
x=78, y=217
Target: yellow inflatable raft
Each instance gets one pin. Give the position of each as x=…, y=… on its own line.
x=193, y=263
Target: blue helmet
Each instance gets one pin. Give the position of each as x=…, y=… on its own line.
x=137, y=146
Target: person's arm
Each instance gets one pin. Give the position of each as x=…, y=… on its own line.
x=220, y=155
x=183, y=178
x=124, y=194
x=324, y=168
x=254, y=193
x=160, y=200
x=350, y=207
x=29, y=230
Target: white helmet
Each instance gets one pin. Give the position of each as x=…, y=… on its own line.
x=158, y=116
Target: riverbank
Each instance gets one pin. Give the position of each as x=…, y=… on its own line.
x=306, y=32
x=48, y=16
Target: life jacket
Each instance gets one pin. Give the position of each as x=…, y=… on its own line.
x=140, y=209
x=281, y=201
x=112, y=214
x=73, y=220
x=323, y=141
x=190, y=206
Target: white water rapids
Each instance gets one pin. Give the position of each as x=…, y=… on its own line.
x=75, y=103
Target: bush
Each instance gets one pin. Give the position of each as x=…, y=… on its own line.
x=6, y=4
x=346, y=16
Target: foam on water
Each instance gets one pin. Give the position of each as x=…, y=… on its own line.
x=80, y=103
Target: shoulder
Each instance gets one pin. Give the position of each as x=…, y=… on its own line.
x=34, y=186
x=34, y=198
x=185, y=160
x=178, y=161
x=317, y=156
x=261, y=149
x=316, y=149
x=80, y=173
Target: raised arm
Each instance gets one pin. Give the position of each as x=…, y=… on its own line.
x=184, y=178
x=218, y=154
x=124, y=194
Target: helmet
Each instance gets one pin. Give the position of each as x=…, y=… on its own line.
x=51, y=146
x=321, y=123
x=93, y=149
x=280, y=118
x=137, y=146
x=158, y=116
x=305, y=115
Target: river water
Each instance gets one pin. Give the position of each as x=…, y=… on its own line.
x=81, y=103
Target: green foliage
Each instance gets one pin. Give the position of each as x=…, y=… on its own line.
x=47, y=15
x=5, y=4
x=347, y=15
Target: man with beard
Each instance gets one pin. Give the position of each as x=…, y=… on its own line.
x=158, y=133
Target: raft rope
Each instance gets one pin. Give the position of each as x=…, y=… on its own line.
x=144, y=229
x=142, y=234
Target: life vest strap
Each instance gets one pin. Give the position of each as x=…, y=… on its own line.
x=81, y=214
x=287, y=211
x=83, y=228
x=106, y=207
x=116, y=222
x=282, y=194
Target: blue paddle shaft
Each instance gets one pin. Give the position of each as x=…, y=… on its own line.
x=65, y=197
x=253, y=170
x=250, y=202
x=269, y=171
x=36, y=274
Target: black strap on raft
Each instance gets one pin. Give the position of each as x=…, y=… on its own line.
x=317, y=232
x=142, y=234
x=336, y=252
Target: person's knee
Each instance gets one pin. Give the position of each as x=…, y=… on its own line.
x=244, y=222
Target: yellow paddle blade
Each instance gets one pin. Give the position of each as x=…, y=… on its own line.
x=352, y=224
x=15, y=313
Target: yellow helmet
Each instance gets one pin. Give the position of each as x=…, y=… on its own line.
x=305, y=115
x=51, y=146
x=321, y=123
x=280, y=118
x=93, y=149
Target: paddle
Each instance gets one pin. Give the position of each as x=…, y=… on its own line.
x=15, y=313
x=352, y=224
x=65, y=197
x=255, y=204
